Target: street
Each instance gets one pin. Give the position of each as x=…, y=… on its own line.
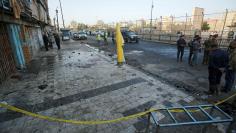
x=62, y=84
x=159, y=60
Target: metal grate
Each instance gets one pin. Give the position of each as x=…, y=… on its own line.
x=209, y=113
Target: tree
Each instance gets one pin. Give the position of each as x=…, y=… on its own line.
x=205, y=26
x=73, y=24
x=81, y=26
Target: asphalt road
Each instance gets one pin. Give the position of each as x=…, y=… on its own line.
x=159, y=60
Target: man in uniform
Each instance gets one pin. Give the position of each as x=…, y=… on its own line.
x=207, y=44
x=231, y=68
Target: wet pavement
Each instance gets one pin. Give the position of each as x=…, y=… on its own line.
x=80, y=82
x=159, y=60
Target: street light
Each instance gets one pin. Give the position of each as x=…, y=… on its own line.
x=151, y=21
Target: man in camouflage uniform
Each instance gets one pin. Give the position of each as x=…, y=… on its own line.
x=231, y=68
x=207, y=44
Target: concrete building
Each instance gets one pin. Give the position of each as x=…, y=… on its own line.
x=217, y=23
x=21, y=25
x=197, y=18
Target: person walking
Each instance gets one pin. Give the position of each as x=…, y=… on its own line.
x=181, y=43
x=218, y=60
x=207, y=44
x=98, y=37
x=50, y=39
x=231, y=68
x=45, y=40
x=57, y=40
x=196, y=47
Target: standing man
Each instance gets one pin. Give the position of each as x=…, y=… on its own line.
x=50, y=39
x=218, y=60
x=231, y=68
x=196, y=47
x=181, y=43
x=105, y=38
x=98, y=38
x=190, y=45
x=57, y=40
x=207, y=44
x=113, y=37
x=45, y=40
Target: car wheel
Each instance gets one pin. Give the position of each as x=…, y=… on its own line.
x=137, y=41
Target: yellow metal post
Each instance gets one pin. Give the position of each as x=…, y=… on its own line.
x=119, y=45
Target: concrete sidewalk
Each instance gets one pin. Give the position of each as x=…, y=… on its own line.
x=81, y=83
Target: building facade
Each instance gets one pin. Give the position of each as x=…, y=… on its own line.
x=21, y=25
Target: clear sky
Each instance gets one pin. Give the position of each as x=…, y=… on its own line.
x=89, y=11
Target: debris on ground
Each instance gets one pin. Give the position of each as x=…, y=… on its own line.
x=42, y=87
x=16, y=76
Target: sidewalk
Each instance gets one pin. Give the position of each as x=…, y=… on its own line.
x=81, y=83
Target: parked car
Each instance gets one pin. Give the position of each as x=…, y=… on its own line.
x=65, y=34
x=130, y=36
x=80, y=36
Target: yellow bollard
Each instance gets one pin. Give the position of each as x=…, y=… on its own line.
x=119, y=46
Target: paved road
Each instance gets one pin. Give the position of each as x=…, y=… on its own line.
x=159, y=60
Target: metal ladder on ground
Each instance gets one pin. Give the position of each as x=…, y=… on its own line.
x=211, y=113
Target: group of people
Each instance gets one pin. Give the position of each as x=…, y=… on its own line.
x=48, y=39
x=219, y=61
x=99, y=37
x=194, y=49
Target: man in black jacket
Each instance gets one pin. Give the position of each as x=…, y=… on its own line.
x=218, y=60
x=45, y=40
x=181, y=43
x=57, y=40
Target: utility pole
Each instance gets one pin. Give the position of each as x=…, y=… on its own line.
x=171, y=25
x=62, y=15
x=151, y=21
x=57, y=21
x=186, y=23
x=54, y=23
x=226, y=14
x=215, y=25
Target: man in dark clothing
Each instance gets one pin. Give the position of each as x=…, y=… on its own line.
x=113, y=37
x=218, y=60
x=57, y=40
x=45, y=40
x=181, y=43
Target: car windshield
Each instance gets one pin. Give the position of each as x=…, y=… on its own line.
x=131, y=33
x=81, y=32
x=65, y=33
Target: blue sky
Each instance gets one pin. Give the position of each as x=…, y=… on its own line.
x=89, y=11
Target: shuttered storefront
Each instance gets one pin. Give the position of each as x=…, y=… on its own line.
x=7, y=64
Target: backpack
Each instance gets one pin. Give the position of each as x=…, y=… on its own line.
x=190, y=43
